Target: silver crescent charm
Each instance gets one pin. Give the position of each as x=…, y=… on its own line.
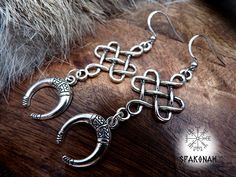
x=103, y=138
x=64, y=92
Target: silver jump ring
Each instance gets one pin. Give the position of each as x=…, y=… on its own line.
x=187, y=74
x=71, y=80
x=71, y=72
x=122, y=112
x=112, y=121
x=81, y=75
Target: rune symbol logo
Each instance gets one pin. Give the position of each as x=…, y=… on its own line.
x=197, y=139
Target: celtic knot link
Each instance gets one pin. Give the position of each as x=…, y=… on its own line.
x=103, y=52
x=174, y=103
x=110, y=54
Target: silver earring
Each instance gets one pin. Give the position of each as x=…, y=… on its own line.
x=176, y=81
x=103, y=126
x=64, y=86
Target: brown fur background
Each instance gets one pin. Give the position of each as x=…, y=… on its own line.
x=141, y=146
x=35, y=33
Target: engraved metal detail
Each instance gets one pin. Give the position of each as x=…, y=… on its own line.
x=100, y=124
x=63, y=89
x=61, y=85
x=103, y=138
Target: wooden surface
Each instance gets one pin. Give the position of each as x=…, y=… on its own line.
x=141, y=146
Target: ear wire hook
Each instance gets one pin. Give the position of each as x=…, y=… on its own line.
x=169, y=21
x=210, y=44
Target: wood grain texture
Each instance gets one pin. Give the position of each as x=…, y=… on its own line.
x=141, y=146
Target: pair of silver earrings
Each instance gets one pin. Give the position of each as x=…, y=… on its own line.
x=103, y=126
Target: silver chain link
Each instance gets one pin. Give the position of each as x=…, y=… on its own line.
x=122, y=114
x=174, y=105
x=101, y=52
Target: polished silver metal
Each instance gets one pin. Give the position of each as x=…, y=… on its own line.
x=177, y=80
x=103, y=138
x=133, y=107
x=194, y=63
x=155, y=34
x=112, y=54
x=64, y=92
x=116, y=75
x=103, y=131
x=187, y=72
x=110, y=57
x=152, y=77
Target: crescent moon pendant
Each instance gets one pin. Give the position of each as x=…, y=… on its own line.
x=65, y=96
x=103, y=138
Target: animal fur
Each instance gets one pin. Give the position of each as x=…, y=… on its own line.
x=32, y=31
